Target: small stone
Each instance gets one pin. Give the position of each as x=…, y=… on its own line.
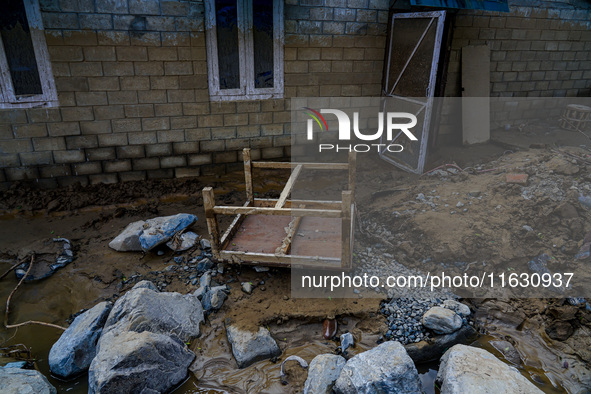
x=520, y=179
x=247, y=287
x=459, y=204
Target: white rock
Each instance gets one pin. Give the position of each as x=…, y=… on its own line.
x=442, y=320
x=129, y=239
x=466, y=369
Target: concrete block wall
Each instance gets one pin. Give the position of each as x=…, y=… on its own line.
x=539, y=49
x=133, y=91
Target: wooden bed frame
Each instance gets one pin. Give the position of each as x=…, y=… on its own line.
x=283, y=232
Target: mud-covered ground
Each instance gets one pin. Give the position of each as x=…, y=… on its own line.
x=462, y=214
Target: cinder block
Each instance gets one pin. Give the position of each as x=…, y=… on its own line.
x=109, y=112
x=161, y=174
x=113, y=38
x=182, y=148
x=210, y=121
x=186, y=172
x=122, y=97
x=132, y=176
x=135, y=83
x=80, y=142
x=44, y=115
x=174, y=109
x=171, y=136
x=183, y=122
x=196, y=108
x=272, y=153
x=119, y=139
x=100, y=54
x=142, y=138
x=63, y=129
x=53, y=171
x=130, y=152
x=181, y=96
x=88, y=168
x=151, y=124
x=163, y=53
x=66, y=54
x=30, y=130
x=117, y=166
x=199, y=134
x=86, y=69
x=235, y=119
x=126, y=125
x=47, y=144
x=198, y=160
x=21, y=173
x=158, y=150
x=173, y=161
x=146, y=164
x=152, y=96
x=132, y=54
x=212, y=146
x=225, y=157
x=272, y=129
x=96, y=21
x=103, y=178
x=68, y=156
x=36, y=158
x=120, y=69
x=71, y=114
x=167, y=82
x=9, y=159
x=91, y=98
x=261, y=142
x=103, y=83
x=139, y=111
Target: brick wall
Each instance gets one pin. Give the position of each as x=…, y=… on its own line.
x=539, y=49
x=133, y=92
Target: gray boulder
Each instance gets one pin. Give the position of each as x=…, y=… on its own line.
x=433, y=348
x=145, y=284
x=249, y=347
x=129, y=239
x=74, y=350
x=442, y=320
x=461, y=309
x=323, y=372
x=466, y=369
x=384, y=369
x=143, y=309
x=131, y=362
x=24, y=381
x=160, y=230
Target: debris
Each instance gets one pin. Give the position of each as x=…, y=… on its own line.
x=300, y=360
x=329, y=328
x=520, y=179
x=183, y=242
x=46, y=264
x=214, y=298
x=205, y=244
x=260, y=268
x=205, y=265
x=346, y=342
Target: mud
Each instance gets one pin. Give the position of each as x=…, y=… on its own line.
x=91, y=216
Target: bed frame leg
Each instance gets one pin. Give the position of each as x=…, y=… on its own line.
x=212, y=221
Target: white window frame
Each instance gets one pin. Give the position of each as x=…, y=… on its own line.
x=49, y=96
x=247, y=91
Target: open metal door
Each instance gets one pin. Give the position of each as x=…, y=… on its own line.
x=409, y=82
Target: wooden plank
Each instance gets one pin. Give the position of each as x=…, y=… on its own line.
x=233, y=227
x=352, y=171
x=323, y=213
x=211, y=218
x=346, y=228
x=248, y=174
x=278, y=260
x=287, y=241
x=288, y=186
x=311, y=166
x=316, y=204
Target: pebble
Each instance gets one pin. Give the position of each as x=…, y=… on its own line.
x=247, y=287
